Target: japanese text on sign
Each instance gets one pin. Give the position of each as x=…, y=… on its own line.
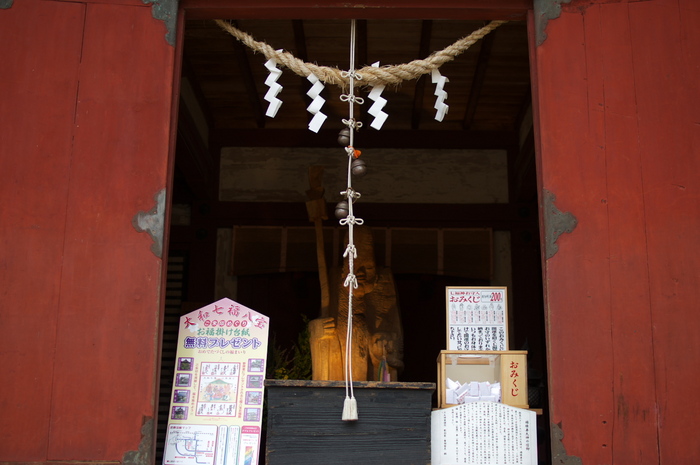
x=477, y=318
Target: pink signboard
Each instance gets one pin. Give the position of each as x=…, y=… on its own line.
x=217, y=399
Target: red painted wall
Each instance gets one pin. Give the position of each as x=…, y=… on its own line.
x=617, y=97
x=84, y=116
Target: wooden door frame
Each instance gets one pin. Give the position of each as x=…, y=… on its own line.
x=486, y=10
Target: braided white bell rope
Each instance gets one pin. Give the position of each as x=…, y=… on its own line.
x=350, y=404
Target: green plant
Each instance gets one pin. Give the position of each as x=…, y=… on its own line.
x=291, y=362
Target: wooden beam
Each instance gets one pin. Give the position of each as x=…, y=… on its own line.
x=193, y=81
x=437, y=139
x=300, y=39
x=303, y=55
x=249, y=81
x=376, y=9
x=478, y=79
x=522, y=171
x=361, y=58
x=194, y=161
x=423, y=51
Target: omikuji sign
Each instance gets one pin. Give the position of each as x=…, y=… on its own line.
x=217, y=399
x=477, y=318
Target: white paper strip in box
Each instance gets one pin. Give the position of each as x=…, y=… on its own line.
x=274, y=88
x=439, y=80
x=377, y=107
x=315, y=106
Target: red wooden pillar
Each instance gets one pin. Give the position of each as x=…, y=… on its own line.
x=617, y=99
x=86, y=97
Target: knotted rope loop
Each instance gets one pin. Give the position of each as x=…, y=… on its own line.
x=351, y=123
x=351, y=251
x=351, y=193
x=352, y=98
x=351, y=280
x=351, y=74
x=350, y=219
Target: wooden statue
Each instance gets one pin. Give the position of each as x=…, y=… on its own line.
x=377, y=342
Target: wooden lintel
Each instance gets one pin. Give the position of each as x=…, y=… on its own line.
x=376, y=9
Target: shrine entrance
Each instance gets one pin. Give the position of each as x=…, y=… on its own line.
x=451, y=203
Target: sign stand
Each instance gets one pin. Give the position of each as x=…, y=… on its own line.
x=217, y=399
x=482, y=414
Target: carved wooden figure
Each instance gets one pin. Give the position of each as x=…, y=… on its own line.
x=377, y=342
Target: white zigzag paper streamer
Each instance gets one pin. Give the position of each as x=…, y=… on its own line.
x=439, y=80
x=315, y=106
x=379, y=103
x=275, y=89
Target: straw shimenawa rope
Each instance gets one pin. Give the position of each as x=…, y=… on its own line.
x=371, y=76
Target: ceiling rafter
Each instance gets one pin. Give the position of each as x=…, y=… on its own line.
x=482, y=63
x=424, y=48
x=249, y=82
x=192, y=80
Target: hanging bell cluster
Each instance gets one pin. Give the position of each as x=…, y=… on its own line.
x=358, y=168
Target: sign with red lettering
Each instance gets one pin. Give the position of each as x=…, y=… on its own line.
x=477, y=318
x=217, y=400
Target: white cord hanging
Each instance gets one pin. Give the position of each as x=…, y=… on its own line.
x=350, y=405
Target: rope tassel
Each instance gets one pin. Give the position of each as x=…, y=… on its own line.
x=350, y=409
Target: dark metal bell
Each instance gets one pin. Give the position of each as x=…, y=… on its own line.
x=342, y=210
x=358, y=167
x=344, y=137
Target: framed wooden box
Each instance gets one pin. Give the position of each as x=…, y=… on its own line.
x=477, y=318
x=304, y=423
x=506, y=367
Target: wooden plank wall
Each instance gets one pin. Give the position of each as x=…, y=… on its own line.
x=84, y=115
x=617, y=106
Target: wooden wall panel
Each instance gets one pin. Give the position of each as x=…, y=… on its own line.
x=614, y=82
x=85, y=120
x=38, y=78
x=107, y=334
x=634, y=421
x=666, y=55
x=576, y=278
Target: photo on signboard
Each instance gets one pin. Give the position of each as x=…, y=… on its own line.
x=184, y=364
x=253, y=397
x=255, y=382
x=179, y=413
x=256, y=365
x=183, y=379
x=251, y=414
x=181, y=396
